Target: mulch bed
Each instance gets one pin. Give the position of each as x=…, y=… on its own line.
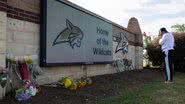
x=103, y=86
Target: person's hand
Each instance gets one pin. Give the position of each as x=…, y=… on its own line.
x=159, y=36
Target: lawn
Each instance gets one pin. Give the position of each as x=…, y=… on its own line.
x=129, y=87
x=156, y=92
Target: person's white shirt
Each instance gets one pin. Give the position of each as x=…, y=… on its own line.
x=167, y=42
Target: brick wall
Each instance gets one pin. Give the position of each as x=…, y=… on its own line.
x=23, y=37
x=131, y=38
x=32, y=6
x=2, y=44
x=139, y=57
x=26, y=10
x=19, y=35
x=55, y=73
x=3, y=20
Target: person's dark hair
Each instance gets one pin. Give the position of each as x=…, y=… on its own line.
x=163, y=30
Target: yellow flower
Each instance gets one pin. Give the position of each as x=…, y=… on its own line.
x=80, y=84
x=73, y=86
x=67, y=83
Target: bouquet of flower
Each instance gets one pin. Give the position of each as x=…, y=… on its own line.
x=3, y=76
x=26, y=92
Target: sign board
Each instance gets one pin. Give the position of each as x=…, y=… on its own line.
x=71, y=35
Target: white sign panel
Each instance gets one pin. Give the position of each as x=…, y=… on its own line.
x=73, y=36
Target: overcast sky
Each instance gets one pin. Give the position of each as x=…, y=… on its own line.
x=151, y=14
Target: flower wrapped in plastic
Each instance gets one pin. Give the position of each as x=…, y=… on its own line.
x=30, y=88
x=3, y=76
x=26, y=92
x=22, y=95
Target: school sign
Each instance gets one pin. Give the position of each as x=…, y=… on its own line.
x=71, y=35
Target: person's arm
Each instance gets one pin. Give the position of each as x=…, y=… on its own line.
x=162, y=40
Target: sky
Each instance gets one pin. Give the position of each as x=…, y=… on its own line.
x=151, y=14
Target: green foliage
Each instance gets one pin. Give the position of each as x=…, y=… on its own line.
x=155, y=54
x=179, y=59
x=179, y=27
x=3, y=79
x=146, y=40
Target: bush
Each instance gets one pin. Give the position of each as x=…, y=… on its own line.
x=155, y=54
x=179, y=60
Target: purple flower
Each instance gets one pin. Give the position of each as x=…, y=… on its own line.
x=22, y=96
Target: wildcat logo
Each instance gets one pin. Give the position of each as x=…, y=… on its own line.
x=122, y=43
x=71, y=34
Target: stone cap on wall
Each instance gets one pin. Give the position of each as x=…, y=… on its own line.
x=133, y=26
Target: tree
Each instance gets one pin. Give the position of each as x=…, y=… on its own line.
x=179, y=27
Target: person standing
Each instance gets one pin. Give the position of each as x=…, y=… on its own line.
x=167, y=46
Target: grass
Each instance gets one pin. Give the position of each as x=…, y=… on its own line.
x=156, y=92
